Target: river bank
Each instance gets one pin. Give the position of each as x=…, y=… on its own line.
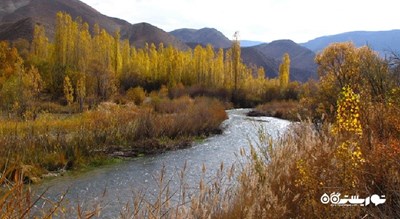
x=51, y=144
x=201, y=161
x=288, y=109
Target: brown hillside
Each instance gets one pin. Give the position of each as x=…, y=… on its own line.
x=44, y=12
x=302, y=62
x=203, y=36
x=20, y=29
x=139, y=34
x=251, y=55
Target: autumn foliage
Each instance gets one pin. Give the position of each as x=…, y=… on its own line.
x=84, y=95
x=351, y=147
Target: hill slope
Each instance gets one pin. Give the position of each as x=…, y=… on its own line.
x=43, y=12
x=264, y=55
x=19, y=17
x=381, y=41
x=302, y=63
x=250, y=43
x=203, y=36
x=139, y=34
x=253, y=56
x=9, y=6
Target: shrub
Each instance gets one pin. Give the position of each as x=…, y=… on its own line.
x=54, y=142
x=137, y=95
x=280, y=109
x=173, y=106
x=351, y=157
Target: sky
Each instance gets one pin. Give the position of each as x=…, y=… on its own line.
x=259, y=20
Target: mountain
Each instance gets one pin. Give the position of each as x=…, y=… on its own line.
x=260, y=54
x=20, y=29
x=44, y=12
x=203, y=36
x=21, y=16
x=253, y=56
x=18, y=18
x=9, y=6
x=142, y=33
x=382, y=41
x=250, y=43
x=302, y=65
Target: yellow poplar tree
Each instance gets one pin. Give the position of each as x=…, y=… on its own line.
x=39, y=44
x=348, y=126
x=68, y=90
x=284, y=71
x=117, y=57
x=236, y=60
x=81, y=92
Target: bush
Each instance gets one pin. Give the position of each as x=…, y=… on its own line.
x=280, y=109
x=173, y=106
x=137, y=95
x=54, y=142
x=346, y=157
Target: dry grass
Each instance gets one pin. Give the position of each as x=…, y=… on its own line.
x=284, y=109
x=288, y=182
x=210, y=197
x=282, y=179
x=53, y=143
x=17, y=201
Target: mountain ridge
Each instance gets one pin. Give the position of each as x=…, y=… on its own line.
x=381, y=41
x=266, y=55
x=202, y=36
x=302, y=64
x=43, y=12
x=18, y=18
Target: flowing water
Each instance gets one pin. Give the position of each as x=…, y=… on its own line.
x=118, y=182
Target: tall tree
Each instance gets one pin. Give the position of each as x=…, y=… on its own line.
x=117, y=58
x=284, y=71
x=39, y=46
x=81, y=92
x=68, y=90
x=236, y=59
x=339, y=64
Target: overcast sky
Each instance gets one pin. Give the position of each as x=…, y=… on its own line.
x=260, y=20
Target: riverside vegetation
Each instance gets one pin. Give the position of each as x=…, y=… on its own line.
x=54, y=117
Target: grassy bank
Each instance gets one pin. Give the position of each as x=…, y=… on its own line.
x=288, y=178
x=283, y=109
x=53, y=142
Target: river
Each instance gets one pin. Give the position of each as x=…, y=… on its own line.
x=119, y=181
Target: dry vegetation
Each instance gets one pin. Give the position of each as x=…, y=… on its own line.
x=288, y=182
x=353, y=149
x=50, y=143
x=284, y=109
x=349, y=145
x=286, y=178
